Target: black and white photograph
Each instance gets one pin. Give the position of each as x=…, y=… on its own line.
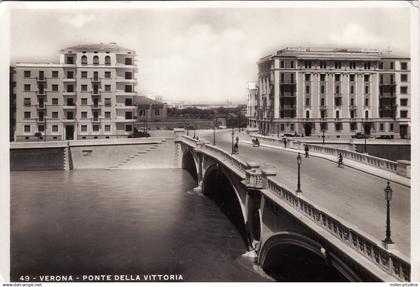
x=171, y=141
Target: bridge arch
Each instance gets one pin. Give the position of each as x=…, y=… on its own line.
x=219, y=186
x=190, y=163
x=289, y=256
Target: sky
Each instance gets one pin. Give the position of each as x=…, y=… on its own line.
x=204, y=54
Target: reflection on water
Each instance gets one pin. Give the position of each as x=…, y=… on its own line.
x=121, y=222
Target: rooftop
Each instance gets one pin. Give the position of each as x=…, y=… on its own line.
x=101, y=47
x=142, y=101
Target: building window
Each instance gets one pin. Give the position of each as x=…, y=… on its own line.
x=338, y=126
x=322, y=102
x=69, y=88
x=337, y=77
x=128, y=115
x=337, y=114
x=292, y=64
x=308, y=64
x=307, y=114
x=353, y=126
x=322, y=77
x=367, y=114
x=366, y=89
x=54, y=115
x=404, y=102
x=54, y=101
x=27, y=115
x=324, y=126
x=282, y=127
x=27, y=74
x=367, y=66
x=337, y=65
x=307, y=89
x=307, y=102
x=128, y=76
x=54, y=74
x=366, y=78
x=351, y=89
x=27, y=102
x=84, y=88
x=381, y=127
x=292, y=127
x=404, y=78
x=107, y=102
x=107, y=115
x=281, y=64
x=128, y=89
x=322, y=89
x=84, y=74
x=107, y=60
x=366, y=102
x=69, y=116
x=95, y=60
x=107, y=75
x=70, y=74
x=391, y=127
x=307, y=77
x=27, y=87
x=157, y=112
x=128, y=61
x=128, y=128
x=83, y=128
x=83, y=101
x=95, y=128
x=69, y=60
x=27, y=128
x=322, y=114
x=54, y=128
x=54, y=88
x=352, y=65
x=403, y=66
x=403, y=90
x=107, y=128
x=381, y=65
x=352, y=114
x=392, y=65
x=351, y=78
x=84, y=115
x=403, y=114
x=107, y=88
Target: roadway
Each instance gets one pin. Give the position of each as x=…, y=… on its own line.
x=353, y=195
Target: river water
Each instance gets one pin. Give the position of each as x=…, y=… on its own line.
x=147, y=221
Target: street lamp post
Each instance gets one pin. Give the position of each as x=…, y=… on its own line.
x=194, y=132
x=214, y=128
x=388, y=197
x=323, y=136
x=233, y=135
x=364, y=135
x=299, y=162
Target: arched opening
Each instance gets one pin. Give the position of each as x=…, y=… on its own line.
x=295, y=258
x=95, y=60
x=218, y=188
x=107, y=60
x=188, y=164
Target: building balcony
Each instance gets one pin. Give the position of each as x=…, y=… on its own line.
x=41, y=107
x=322, y=108
x=124, y=93
x=125, y=107
x=390, y=83
x=41, y=80
x=124, y=80
x=96, y=80
x=96, y=107
x=69, y=80
x=67, y=93
x=41, y=120
x=125, y=120
x=96, y=120
x=387, y=96
x=352, y=107
x=41, y=93
x=95, y=93
x=69, y=120
x=288, y=83
x=69, y=107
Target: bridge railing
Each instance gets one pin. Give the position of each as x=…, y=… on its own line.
x=381, y=163
x=371, y=249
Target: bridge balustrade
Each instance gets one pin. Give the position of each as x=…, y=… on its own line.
x=355, y=239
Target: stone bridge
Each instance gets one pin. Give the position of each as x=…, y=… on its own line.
x=293, y=239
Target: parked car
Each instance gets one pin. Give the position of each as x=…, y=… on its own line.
x=385, y=137
x=359, y=135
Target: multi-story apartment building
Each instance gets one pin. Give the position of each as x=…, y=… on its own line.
x=88, y=94
x=252, y=100
x=338, y=92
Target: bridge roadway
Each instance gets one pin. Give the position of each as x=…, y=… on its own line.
x=353, y=195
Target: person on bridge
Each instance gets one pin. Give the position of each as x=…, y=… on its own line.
x=340, y=160
x=306, y=151
x=285, y=142
x=236, y=146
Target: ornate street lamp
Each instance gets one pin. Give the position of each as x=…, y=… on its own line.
x=388, y=197
x=299, y=162
x=323, y=136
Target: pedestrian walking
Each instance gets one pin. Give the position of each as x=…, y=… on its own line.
x=340, y=160
x=285, y=142
x=306, y=151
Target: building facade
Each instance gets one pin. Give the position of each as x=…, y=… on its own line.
x=88, y=94
x=336, y=92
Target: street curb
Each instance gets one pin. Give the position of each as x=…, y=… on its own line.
x=321, y=156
